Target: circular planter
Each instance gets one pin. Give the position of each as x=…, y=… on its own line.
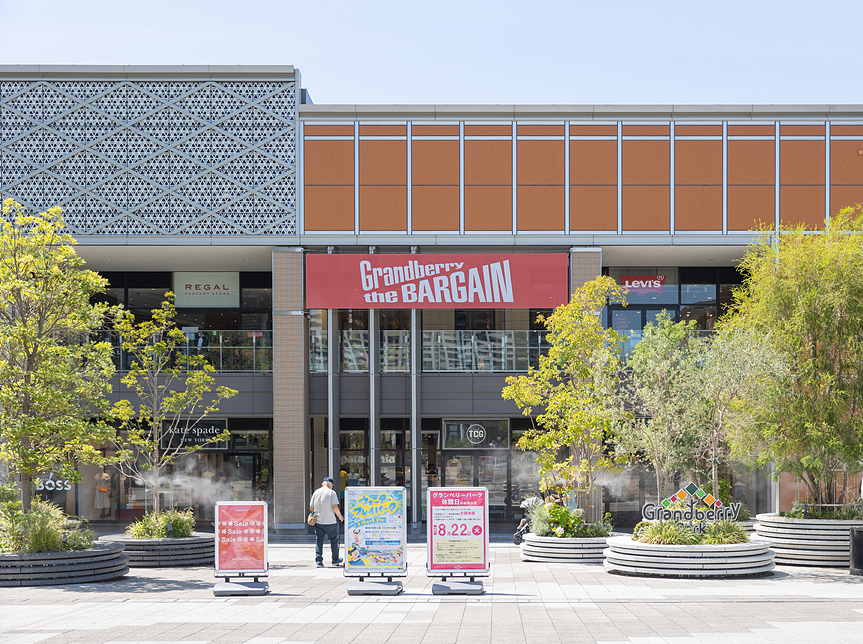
x=629, y=557
x=562, y=550
x=808, y=542
x=197, y=550
x=748, y=525
x=102, y=562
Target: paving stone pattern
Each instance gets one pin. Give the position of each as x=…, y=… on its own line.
x=524, y=603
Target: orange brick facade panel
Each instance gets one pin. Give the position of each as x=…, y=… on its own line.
x=646, y=130
x=540, y=130
x=801, y=130
x=435, y=207
x=698, y=130
x=593, y=208
x=751, y=163
x=488, y=163
x=593, y=163
x=383, y=208
x=488, y=130
x=846, y=130
x=434, y=163
x=329, y=208
x=541, y=208
x=646, y=163
x=488, y=208
x=593, y=130
x=801, y=163
x=846, y=163
x=383, y=130
x=750, y=207
x=845, y=196
x=541, y=163
x=383, y=163
x=698, y=207
x=751, y=130
x=802, y=205
x=435, y=130
x=328, y=163
x=698, y=163
x=646, y=208
x=328, y=168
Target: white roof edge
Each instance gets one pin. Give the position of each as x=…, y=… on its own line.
x=86, y=72
x=578, y=112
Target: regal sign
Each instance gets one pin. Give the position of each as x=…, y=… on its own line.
x=694, y=515
x=207, y=290
x=499, y=281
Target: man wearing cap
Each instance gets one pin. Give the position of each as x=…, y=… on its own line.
x=325, y=505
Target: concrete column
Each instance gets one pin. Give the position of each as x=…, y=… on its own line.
x=291, y=453
x=585, y=264
x=374, y=398
x=416, y=454
x=333, y=397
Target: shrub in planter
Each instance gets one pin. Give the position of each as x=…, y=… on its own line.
x=851, y=512
x=154, y=525
x=41, y=530
x=552, y=520
x=672, y=533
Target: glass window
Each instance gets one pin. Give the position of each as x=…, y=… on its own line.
x=626, y=320
x=112, y=296
x=352, y=439
x=704, y=316
x=477, y=434
x=697, y=293
x=256, y=298
x=648, y=285
x=146, y=298
x=391, y=439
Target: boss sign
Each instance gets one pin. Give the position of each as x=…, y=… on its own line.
x=512, y=281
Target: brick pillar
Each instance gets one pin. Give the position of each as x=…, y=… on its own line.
x=291, y=453
x=585, y=264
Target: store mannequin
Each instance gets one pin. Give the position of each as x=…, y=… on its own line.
x=103, y=486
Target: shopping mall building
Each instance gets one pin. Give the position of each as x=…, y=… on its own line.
x=367, y=276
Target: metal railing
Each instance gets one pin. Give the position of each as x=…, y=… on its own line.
x=470, y=351
x=225, y=350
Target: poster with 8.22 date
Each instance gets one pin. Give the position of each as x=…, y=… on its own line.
x=458, y=530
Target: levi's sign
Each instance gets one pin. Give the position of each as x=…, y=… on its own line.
x=643, y=283
x=511, y=281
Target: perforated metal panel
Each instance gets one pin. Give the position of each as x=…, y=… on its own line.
x=153, y=158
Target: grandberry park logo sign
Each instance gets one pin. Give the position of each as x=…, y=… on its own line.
x=700, y=508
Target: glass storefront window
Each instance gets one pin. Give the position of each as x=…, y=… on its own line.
x=256, y=298
x=697, y=293
x=318, y=348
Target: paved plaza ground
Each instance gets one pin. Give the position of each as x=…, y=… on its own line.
x=542, y=603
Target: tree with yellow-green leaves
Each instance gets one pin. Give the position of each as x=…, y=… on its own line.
x=571, y=395
x=54, y=378
x=174, y=390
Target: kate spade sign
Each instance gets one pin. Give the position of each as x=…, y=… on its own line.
x=200, y=434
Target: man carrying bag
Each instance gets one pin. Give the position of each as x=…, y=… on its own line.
x=325, y=506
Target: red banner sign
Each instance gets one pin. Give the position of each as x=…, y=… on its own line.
x=511, y=281
x=457, y=529
x=241, y=537
x=643, y=283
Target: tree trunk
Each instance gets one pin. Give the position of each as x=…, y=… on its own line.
x=26, y=493
x=714, y=468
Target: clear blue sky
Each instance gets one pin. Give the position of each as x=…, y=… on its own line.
x=473, y=51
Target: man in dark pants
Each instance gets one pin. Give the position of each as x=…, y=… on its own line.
x=325, y=505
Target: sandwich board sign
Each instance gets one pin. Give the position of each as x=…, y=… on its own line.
x=458, y=536
x=241, y=546
x=375, y=538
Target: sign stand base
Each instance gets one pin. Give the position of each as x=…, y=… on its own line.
x=230, y=588
x=457, y=587
x=376, y=587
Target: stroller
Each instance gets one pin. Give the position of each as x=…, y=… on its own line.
x=524, y=527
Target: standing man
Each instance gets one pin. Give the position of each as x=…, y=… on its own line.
x=325, y=505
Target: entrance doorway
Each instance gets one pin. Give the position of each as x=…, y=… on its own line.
x=481, y=468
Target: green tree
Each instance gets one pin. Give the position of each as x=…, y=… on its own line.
x=662, y=431
x=736, y=373
x=53, y=378
x=174, y=391
x=570, y=396
x=806, y=291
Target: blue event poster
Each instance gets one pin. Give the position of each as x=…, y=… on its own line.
x=375, y=530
